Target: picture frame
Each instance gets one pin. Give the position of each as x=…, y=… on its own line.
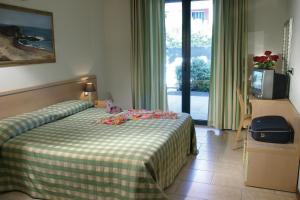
x=287, y=43
x=26, y=36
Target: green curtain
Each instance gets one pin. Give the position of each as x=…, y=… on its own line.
x=148, y=54
x=229, y=62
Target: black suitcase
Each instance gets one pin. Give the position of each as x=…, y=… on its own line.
x=272, y=129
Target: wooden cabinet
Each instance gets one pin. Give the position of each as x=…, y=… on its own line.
x=273, y=166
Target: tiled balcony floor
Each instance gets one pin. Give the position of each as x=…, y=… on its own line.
x=199, y=104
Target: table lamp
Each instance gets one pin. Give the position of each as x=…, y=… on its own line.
x=89, y=88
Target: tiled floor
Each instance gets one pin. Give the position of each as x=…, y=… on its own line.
x=215, y=174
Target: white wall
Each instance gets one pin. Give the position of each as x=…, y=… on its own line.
x=78, y=39
x=117, y=51
x=295, y=58
x=266, y=21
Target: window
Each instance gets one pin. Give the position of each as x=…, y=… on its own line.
x=198, y=15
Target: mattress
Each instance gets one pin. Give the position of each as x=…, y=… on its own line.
x=61, y=152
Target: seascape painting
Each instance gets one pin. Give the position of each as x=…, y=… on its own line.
x=26, y=36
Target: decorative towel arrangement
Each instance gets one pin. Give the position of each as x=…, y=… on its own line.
x=146, y=114
x=111, y=108
x=114, y=120
x=137, y=115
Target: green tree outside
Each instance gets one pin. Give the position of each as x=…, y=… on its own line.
x=200, y=75
x=197, y=40
x=200, y=70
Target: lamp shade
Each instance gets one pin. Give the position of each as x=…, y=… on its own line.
x=90, y=87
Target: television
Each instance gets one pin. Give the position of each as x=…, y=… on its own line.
x=267, y=84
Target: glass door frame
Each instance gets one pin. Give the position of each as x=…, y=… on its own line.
x=186, y=57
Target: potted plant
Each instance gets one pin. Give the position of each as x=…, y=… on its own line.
x=266, y=61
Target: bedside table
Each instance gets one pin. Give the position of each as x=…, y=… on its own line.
x=100, y=103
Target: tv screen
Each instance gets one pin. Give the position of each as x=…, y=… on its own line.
x=257, y=78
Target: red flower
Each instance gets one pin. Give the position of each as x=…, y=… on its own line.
x=263, y=59
x=275, y=58
x=260, y=59
x=267, y=61
x=268, y=53
x=256, y=59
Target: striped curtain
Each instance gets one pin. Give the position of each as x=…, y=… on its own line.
x=229, y=62
x=148, y=54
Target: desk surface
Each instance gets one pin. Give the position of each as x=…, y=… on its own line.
x=254, y=98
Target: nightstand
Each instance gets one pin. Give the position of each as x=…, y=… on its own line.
x=100, y=103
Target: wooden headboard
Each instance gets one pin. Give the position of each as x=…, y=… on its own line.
x=33, y=98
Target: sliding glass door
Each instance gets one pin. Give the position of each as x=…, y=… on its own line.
x=188, y=40
x=173, y=21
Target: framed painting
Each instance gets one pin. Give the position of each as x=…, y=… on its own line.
x=26, y=36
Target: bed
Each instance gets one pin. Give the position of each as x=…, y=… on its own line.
x=60, y=152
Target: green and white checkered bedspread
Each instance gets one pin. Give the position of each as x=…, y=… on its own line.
x=69, y=156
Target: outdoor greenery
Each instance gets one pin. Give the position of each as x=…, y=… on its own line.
x=197, y=40
x=200, y=68
x=200, y=75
